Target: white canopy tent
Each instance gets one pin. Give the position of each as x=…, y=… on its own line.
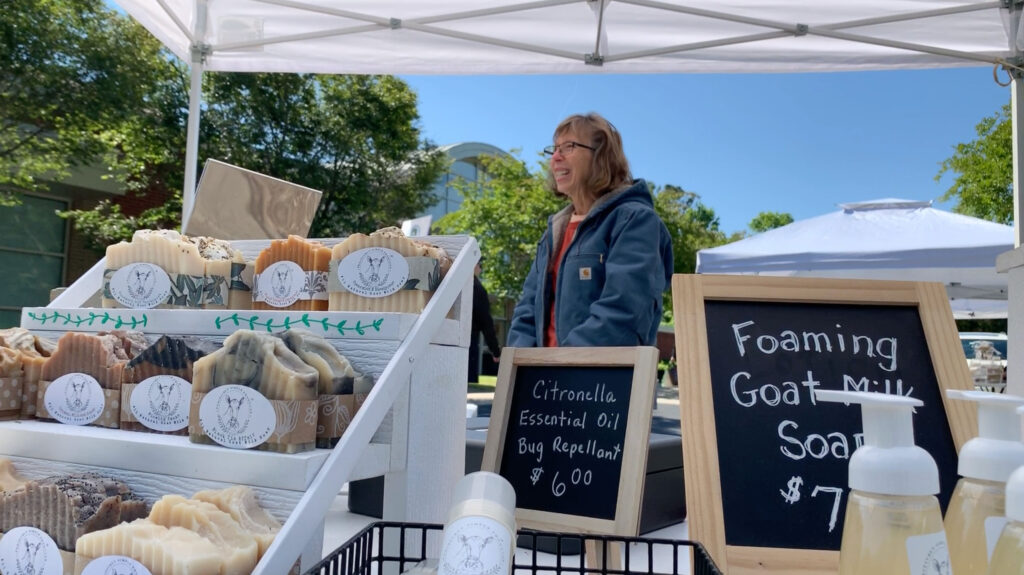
x=573, y=36
x=882, y=239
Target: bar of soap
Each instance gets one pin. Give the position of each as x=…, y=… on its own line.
x=337, y=381
x=335, y=373
x=69, y=506
x=405, y=300
x=169, y=355
x=162, y=550
x=9, y=478
x=278, y=283
x=241, y=504
x=219, y=257
x=239, y=548
x=264, y=363
x=91, y=354
x=168, y=250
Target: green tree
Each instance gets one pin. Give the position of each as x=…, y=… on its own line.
x=983, y=171
x=507, y=212
x=353, y=137
x=765, y=221
x=76, y=84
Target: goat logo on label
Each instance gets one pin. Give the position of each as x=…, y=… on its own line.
x=140, y=286
x=473, y=547
x=161, y=402
x=234, y=412
x=280, y=284
x=373, y=272
x=31, y=555
x=75, y=399
x=937, y=560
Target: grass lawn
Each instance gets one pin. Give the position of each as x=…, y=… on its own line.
x=484, y=385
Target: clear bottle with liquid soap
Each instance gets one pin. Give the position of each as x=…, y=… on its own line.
x=893, y=523
x=977, y=511
x=1008, y=555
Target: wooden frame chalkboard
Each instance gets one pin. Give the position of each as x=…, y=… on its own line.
x=717, y=316
x=583, y=414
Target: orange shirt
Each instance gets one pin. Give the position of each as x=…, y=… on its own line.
x=550, y=337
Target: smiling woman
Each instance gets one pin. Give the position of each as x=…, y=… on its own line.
x=605, y=259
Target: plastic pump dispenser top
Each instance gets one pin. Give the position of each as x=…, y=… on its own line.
x=1008, y=556
x=976, y=513
x=893, y=523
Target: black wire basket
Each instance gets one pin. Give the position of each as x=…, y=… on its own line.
x=365, y=553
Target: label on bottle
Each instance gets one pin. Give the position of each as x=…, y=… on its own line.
x=928, y=554
x=993, y=529
x=475, y=546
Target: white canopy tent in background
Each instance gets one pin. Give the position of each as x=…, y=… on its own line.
x=576, y=36
x=882, y=239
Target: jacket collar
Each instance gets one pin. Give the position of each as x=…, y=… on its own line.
x=560, y=220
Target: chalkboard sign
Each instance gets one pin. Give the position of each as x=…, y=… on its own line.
x=569, y=430
x=771, y=492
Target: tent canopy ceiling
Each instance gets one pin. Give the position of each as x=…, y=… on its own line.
x=882, y=239
x=578, y=36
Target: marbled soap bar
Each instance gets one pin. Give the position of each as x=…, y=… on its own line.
x=241, y=504
x=280, y=286
x=337, y=381
x=264, y=363
x=239, y=548
x=404, y=300
x=169, y=355
x=69, y=506
x=162, y=550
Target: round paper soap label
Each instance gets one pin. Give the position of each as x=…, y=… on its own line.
x=373, y=272
x=140, y=286
x=280, y=284
x=74, y=399
x=161, y=402
x=29, y=551
x=237, y=416
x=115, y=565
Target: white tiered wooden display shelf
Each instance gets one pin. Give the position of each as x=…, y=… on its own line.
x=411, y=428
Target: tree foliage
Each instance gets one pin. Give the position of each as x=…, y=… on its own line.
x=353, y=137
x=76, y=82
x=765, y=221
x=81, y=84
x=983, y=171
x=508, y=211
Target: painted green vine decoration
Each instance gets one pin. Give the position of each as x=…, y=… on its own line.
x=289, y=322
x=118, y=321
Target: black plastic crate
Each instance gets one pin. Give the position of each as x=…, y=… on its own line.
x=363, y=554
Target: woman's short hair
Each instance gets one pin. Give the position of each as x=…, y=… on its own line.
x=609, y=169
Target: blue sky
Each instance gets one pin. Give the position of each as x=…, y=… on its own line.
x=797, y=143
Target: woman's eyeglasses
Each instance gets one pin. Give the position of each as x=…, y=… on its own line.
x=566, y=148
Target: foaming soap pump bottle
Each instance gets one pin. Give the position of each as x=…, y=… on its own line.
x=1008, y=556
x=976, y=513
x=479, y=536
x=893, y=523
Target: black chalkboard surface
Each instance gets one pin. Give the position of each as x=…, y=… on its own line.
x=569, y=431
x=767, y=359
x=767, y=465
